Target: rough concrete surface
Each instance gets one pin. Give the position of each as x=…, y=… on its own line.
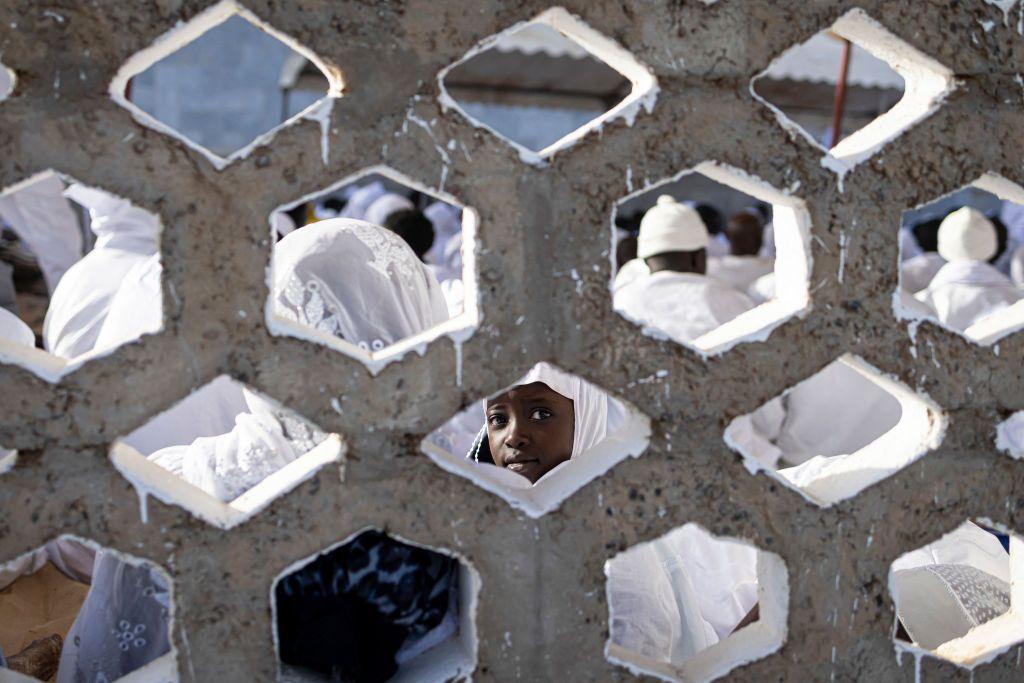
x=542, y=612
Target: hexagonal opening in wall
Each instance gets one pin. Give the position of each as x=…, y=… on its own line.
x=540, y=440
x=79, y=274
x=542, y=85
x=224, y=82
x=223, y=453
x=710, y=258
x=691, y=606
x=962, y=261
x=74, y=610
x=834, y=434
x=961, y=598
x=375, y=607
x=375, y=266
x=852, y=88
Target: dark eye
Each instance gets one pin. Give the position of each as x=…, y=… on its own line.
x=497, y=420
x=540, y=414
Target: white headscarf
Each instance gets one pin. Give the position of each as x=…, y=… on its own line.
x=355, y=281
x=384, y=206
x=595, y=412
x=12, y=328
x=670, y=226
x=361, y=199
x=967, y=235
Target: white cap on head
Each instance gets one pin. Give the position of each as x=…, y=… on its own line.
x=967, y=235
x=670, y=226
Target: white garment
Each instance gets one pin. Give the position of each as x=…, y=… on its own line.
x=355, y=281
x=631, y=270
x=38, y=212
x=768, y=242
x=803, y=427
x=361, y=199
x=454, y=291
x=964, y=292
x=136, y=308
x=718, y=246
x=125, y=237
x=12, y=328
x=680, y=594
x=918, y=271
x=739, y=272
x=683, y=306
x=762, y=289
x=1017, y=266
x=385, y=205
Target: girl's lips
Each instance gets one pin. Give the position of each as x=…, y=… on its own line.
x=519, y=465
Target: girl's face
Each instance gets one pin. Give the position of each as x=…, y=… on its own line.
x=530, y=429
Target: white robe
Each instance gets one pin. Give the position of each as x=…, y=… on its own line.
x=964, y=292
x=14, y=329
x=361, y=200
x=917, y=272
x=447, y=222
x=680, y=594
x=631, y=270
x=40, y=215
x=762, y=289
x=683, y=306
x=739, y=272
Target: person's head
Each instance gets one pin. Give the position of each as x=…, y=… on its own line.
x=711, y=217
x=745, y=234
x=927, y=234
x=967, y=235
x=673, y=237
x=547, y=418
x=356, y=281
x=413, y=227
x=530, y=429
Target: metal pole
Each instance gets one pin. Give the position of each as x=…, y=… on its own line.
x=840, y=100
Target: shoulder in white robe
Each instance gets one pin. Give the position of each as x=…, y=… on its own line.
x=739, y=272
x=964, y=292
x=14, y=329
x=682, y=306
x=918, y=271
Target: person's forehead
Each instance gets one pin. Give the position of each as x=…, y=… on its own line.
x=527, y=392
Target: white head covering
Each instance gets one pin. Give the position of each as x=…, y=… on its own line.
x=361, y=199
x=596, y=413
x=12, y=328
x=967, y=235
x=670, y=226
x=447, y=222
x=384, y=206
x=355, y=281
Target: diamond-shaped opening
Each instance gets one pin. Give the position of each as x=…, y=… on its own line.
x=961, y=598
x=540, y=440
x=962, y=261
x=751, y=276
x=223, y=453
x=831, y=436
x=375, y=266
x=852, y=88
x=79, y=274
x=73, y=610
x=544, y=84
x=225, y=82
x=7, y=81
x=691, y=606
x=340, y=615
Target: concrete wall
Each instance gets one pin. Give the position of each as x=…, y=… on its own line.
x=542, y=612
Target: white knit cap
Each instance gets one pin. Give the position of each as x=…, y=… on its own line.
x=670, y=226
x=967, y=235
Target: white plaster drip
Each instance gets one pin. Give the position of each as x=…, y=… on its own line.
x=53, y=15
x=1005, y=6
x=843, y=240
x=320, y=112
x=457, y=344
x=446, y=160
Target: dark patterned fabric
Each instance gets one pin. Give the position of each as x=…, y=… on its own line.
x=347, y=613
